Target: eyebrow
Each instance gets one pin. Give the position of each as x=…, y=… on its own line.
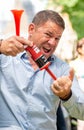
x=51, y=33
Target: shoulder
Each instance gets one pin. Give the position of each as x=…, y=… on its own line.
x=61, y=66
x=74, y=63
x=59, y=61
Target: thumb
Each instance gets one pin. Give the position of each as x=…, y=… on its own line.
x=71, y=74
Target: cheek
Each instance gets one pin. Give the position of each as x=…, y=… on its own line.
x=40, y=40
x=35, y=39
x=54, y=48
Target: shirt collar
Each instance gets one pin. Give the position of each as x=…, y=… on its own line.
x=25, y=56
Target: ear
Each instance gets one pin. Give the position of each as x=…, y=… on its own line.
x=31, y=28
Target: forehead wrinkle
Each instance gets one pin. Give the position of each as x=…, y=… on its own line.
x=52, y=29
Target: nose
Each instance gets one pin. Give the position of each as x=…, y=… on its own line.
x=52, y=41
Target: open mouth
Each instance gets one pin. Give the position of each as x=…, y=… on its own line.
x=46, y=50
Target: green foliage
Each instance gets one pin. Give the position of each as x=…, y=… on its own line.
x=68, y=3
x=75, y=9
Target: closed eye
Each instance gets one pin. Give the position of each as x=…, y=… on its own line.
x=48, y=35
x=57, y=38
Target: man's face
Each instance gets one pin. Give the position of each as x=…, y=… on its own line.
x=46, y=37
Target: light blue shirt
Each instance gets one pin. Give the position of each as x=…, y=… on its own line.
x=26, y=98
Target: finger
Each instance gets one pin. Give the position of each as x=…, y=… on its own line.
x=71, y=74
x=19, y=46
x=27, y=42
x=56, y=86
x=24, y=41
x=55, y=91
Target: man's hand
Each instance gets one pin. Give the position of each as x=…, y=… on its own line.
x=14, y=45
x=62, y=86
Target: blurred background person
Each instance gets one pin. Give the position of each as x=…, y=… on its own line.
x=78, y=65
x=31, y=7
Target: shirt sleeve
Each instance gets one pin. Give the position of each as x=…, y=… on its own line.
x=75, y=104
x=4, y=60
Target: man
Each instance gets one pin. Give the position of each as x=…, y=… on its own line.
x=29, y=98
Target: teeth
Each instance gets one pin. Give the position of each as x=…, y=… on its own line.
x=46, y=50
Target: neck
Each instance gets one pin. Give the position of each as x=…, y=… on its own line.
x=81, y=57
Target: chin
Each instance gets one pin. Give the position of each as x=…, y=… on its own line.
x=47, y=56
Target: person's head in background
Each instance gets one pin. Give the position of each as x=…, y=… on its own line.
x=80, y=47
x=46, y=30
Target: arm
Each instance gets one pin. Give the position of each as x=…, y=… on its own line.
x=13, y=45
x=75, y=105
x=62, y=86
x=68, y=90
